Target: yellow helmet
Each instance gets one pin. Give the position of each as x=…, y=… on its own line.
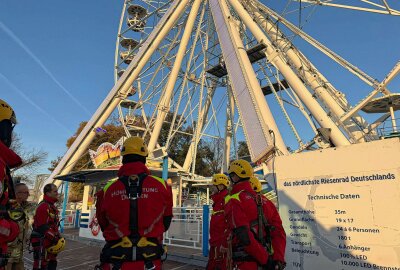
x=6, y=112
x=255, y=184
x=57, y=248
x=136, y=146
x=241, y=167
x=220, y=179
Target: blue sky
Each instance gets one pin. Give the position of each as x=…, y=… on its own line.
x=57, y=57
x=67, y=51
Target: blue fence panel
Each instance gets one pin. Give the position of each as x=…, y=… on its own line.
x=206, y=224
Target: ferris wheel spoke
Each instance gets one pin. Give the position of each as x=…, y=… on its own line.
x=353, y=69
x=177, y=125
x=284, y=111
x=385, y=9
x=188, y=98
x=335, y=102
x=164, y=102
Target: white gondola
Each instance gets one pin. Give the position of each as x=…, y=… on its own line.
x=136, y=17
x=126, y=57
x=128, y=104
x=136, y=24
x=137, y=11
x=120, y=72
x=128, y=43
x=383, y=104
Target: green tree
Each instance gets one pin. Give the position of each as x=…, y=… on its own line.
x=112, y=133
x=208, y=156
x=181, y=143
x=243, y=150
x=214, y=155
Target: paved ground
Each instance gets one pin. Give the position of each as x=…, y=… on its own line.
x=79, y=256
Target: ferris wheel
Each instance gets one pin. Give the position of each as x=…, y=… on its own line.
x=230, y=69
x=224, y=71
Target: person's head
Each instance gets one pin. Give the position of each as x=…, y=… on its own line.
x=7, y=122
x=240, y=170
x=50, y=190
x=255, y=184
x=134, y=149
x=21, y=192
x=219, y=182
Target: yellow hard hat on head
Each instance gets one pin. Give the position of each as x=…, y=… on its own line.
x=57, y=248
x=255, y=184
x=6, y=112
x=136, y=146
x=220, y=179
x=241, y=167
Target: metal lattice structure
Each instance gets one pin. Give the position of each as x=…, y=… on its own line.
x=227, y=69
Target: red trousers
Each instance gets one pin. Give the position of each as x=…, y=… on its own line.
x=41, y=258
x=216, y=259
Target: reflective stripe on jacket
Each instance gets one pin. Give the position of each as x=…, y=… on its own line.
x=240, y=211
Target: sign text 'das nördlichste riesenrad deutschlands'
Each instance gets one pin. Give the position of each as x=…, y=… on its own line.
x=341, y=206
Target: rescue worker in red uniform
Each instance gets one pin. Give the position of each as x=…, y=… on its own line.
x=255, y=184
x=218, y=228
x=254, y=224
x=135, y=212
x=101, y=218
x=9, y=229
x=46, y=239
x=278, y=236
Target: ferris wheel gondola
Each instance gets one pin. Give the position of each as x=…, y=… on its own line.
x=296, y=83
x=228, y=71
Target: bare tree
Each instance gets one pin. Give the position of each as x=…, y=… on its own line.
x=214, y=156
x=31, y=160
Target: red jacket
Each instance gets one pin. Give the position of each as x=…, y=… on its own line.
x=9, y=229
x=46, y=217
x=278, y=234
x=8, y=158
x=241, y=211
x=154, y=205
x=218, y=227
x=99, y=202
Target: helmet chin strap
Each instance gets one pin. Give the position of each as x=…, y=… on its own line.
x=219, y=190
x=6, y=132
x=241, y=180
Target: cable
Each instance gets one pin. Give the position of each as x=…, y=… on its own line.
x=273, y=167
x=300, y=14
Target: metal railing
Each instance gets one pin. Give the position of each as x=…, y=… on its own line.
x=186, y=228
x=389, y=128
x=71, y=219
